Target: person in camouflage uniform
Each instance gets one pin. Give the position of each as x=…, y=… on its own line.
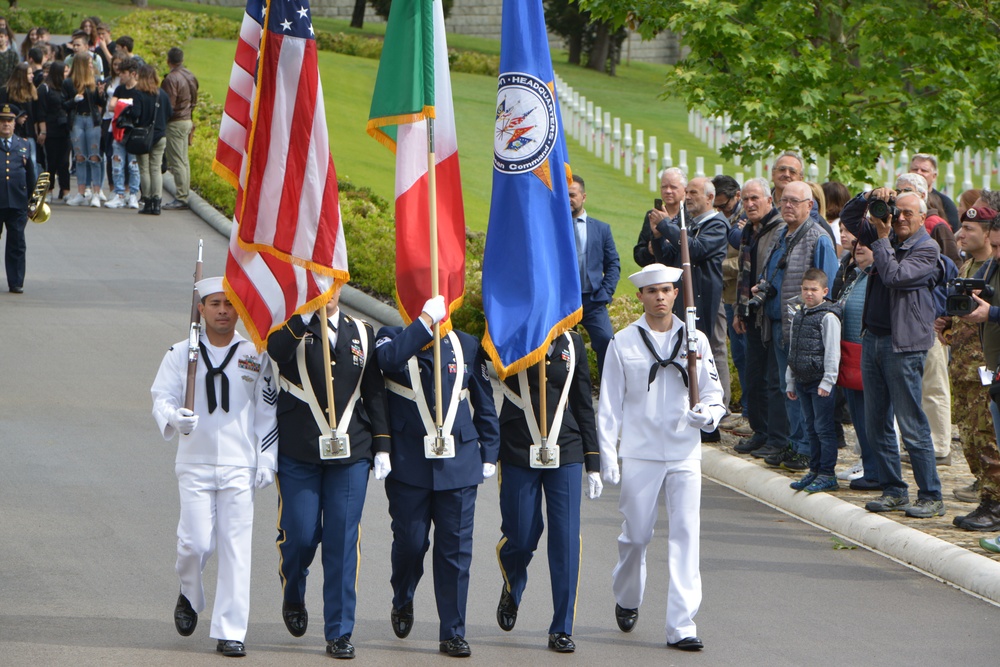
x=968, y=393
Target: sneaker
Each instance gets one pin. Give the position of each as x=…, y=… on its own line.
x=823, y=483
x=887, y=503
x=730, y=421
x=88, y=194
x=925, y=508
x=74, y=199
x=766, y=451
x=748, y=445
x=800, y=484
x=968, y=494
x=743, y=428
x=103, y=197
x=856, y=471
x=116, y=202
x=775, y=460
x=795, y=463
x=133, y=200
x=95, y=201
x=991, y=544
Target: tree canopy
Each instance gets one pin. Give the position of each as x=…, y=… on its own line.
x=839, y=78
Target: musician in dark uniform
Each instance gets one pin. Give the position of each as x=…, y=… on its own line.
x=423, y=490
x=320, y=499
x=15, y=193
x=572, y=429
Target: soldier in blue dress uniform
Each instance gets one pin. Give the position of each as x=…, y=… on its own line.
x=15, y=193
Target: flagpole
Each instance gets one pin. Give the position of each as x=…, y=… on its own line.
x=331, y=407
x=435, y=286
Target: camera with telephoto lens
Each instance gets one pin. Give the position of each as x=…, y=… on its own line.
x=765, y=290
x=883, y=210
x=960, y=301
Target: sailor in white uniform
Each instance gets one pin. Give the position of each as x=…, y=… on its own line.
x=643, y=416
x=227, y=449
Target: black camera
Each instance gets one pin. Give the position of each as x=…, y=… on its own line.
x=960, y=301
x=883, y=210
x=765, y=291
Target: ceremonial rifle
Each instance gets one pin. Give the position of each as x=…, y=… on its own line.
x=194, y=334
x=690, y=315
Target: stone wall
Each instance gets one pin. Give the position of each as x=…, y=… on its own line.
x=481, y=18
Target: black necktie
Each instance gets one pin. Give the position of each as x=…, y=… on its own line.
x=6, y=145
x=663, y=363
x=210, y=378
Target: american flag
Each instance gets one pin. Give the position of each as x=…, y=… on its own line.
x=287, y=252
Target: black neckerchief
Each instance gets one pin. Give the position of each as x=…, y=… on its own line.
x=663, y=363
x=210, y=378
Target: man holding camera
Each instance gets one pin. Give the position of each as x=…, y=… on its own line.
x=898, y=325
x=803, y=246
x=966, y=384
x=672, y=185
x=763, y=226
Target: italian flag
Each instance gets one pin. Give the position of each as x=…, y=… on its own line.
x=414, y=85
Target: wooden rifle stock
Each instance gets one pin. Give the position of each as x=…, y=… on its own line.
x=194, y=334
x=690, y=315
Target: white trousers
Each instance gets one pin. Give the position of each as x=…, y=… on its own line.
x=641, y=484
x=217, y=511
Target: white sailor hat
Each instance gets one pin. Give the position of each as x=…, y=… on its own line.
x=209, y=286
x=654, y=274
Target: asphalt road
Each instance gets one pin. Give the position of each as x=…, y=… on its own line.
x=88, y=510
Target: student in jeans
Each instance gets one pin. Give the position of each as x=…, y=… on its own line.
x=813, y=366
x=84, y=104
x=128, y=70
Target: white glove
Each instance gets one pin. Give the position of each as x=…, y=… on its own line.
x=382, y=465
x=611, y=474
x=594, y=479
x=489, y=470
x=435, y=309
x=265, y=478
x=698, y=417
x=307, y=318
x=183, y=420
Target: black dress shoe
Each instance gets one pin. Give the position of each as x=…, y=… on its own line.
x=456, y=647
x=185, y=617
x=402, y=620
x=688, y=644
x=627, y=618
x=231, y=648
x=17, y=290
x=560, y=642
x=714, y=436
x=341, y=648
x=296, y=617
x=506, y=611
x=862, y=484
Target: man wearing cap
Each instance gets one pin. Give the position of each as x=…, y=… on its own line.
x=15, y=193
x=322, y=491
x=226, y=451
x=644, y=404
x=436, y=481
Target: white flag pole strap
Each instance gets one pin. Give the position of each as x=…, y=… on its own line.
x=529, y=414
x=416, y=392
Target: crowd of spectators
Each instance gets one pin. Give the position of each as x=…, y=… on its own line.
x=78, y=102
x=846, y=309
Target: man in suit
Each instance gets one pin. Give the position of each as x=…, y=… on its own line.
x=599, y=270
x=430, y=483
x=570, y=428
x=322, y=487
x=15, y=193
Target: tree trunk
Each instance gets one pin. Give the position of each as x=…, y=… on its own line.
x=358, y=17
x=600, y=48
x=575, y=48
x=140, y=3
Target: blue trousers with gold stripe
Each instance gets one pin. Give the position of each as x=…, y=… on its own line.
x=321, y=503
x=521, y=510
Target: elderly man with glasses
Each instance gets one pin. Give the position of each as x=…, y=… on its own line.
x=803, y=246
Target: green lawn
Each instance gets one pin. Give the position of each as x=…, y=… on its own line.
x=347, y=86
